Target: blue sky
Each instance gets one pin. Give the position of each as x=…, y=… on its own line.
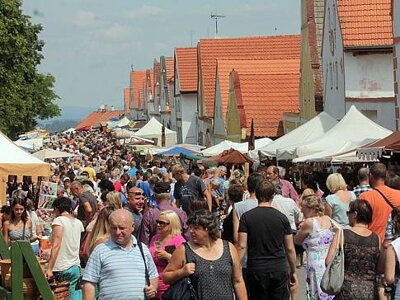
x=91, y=44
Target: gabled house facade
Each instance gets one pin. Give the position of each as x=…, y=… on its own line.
x=357, y=59
x=127, y=94
x=166, y=75
x=184, y=108
x=244, y=66
x=153, y=109
x=396, y=57
x=209, y=50
x=311, y=80
x=261, y=98
x=137, y=78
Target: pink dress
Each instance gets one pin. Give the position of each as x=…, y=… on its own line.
x=162, y=263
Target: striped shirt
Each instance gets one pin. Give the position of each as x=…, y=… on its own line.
x=119, y=272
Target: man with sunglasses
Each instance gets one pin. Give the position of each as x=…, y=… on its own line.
x=135, y=206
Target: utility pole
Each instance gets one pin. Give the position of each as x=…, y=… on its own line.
x=216, y=17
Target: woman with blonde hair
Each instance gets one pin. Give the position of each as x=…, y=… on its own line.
x=164, y=243
x=113, y=200
x=101, y=229
x=315, y=235
x=337, y=204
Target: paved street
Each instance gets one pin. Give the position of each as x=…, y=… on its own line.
x=301, y=273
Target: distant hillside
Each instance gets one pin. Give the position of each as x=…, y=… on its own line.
x=59, y=125
x=70, y=116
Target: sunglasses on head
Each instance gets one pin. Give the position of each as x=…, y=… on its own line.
x=136, y=193
x=159, y=222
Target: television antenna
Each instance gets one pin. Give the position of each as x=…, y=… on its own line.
x=216, y=17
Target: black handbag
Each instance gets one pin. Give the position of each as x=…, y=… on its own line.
x=182, y=289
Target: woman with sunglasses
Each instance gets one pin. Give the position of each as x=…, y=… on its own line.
x=164, y=243
x=361, y=253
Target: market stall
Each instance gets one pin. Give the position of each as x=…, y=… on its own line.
x=17, y=162
x=353, y=131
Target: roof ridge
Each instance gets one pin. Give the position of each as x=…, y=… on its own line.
x=250, y=37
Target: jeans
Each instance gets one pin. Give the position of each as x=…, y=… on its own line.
x=71, y=275
x=268, y=286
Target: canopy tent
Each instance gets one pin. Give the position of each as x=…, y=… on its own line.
x=124, y=134
x=285, y=146
x=70, y=130
x=192, y=157
x=30, y=144
x=177, y=151
x=230, y=156
x=195, y=147
x=374, y=151
x=51, y=153
x=258, y=144
x=221, y=147
x=15, y=161
x=353, y=131
x=118, y=123
x=152, y=130
x=351, y=157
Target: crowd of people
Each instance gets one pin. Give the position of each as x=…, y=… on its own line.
x=128, y=226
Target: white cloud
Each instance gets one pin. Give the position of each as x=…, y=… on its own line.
x=145, y=11
x=117, y=31
x=84, y=18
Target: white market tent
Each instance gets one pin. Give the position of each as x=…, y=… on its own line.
x=285, y=146
x=30, y=144
x=221, y=147
x=242, y=147
x=70, y=130
x=51, y=153
x=351, y=157
x=258, y=144
x=353, y=131
x=118, y=124
x=17, y=162
x=153, y=130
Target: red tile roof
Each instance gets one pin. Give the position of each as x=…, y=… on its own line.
x=170, y=75
x=365, y=22
x=169, y=62
x=127, y=93
x=96, y=117
x=251, y=66
x=137, y=79
x=264, y=98
x=186, y=61
x=268, y=47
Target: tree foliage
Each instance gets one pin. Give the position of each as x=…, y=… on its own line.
x=25, y=94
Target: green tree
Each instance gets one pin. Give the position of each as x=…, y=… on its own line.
x=25, y=94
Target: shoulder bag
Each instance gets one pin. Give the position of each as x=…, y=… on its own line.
x=384, y=197
x=333, y=277
x=146, y=271
x=182, y=289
